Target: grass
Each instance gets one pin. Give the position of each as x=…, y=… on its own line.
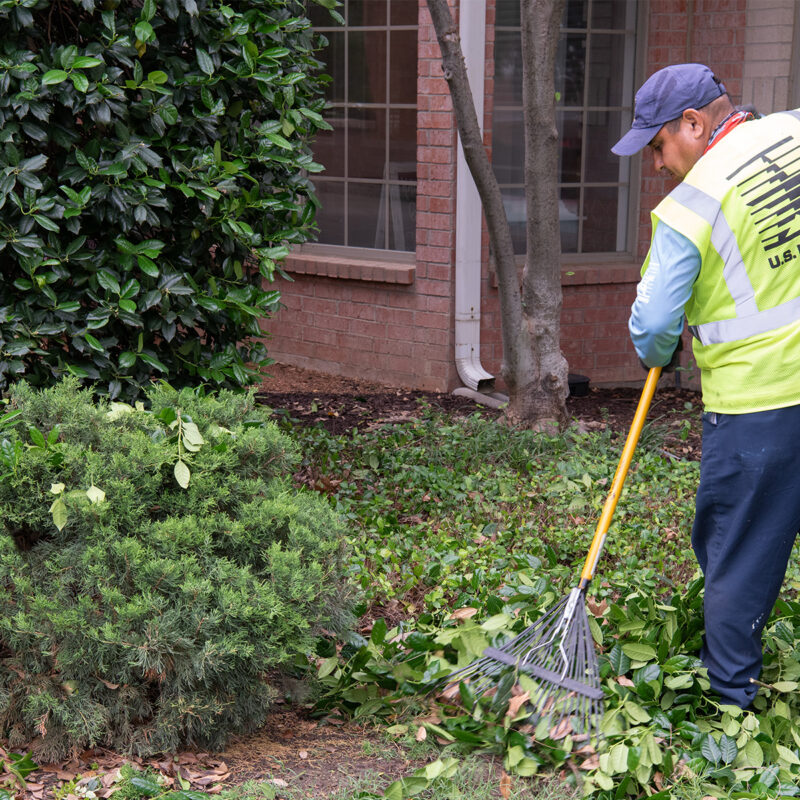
x=477, y=779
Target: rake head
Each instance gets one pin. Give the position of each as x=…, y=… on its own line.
x=558, y=657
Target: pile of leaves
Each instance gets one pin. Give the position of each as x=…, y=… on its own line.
x=466, y=532
x=158, y=574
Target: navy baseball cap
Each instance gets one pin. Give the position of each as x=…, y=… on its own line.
x=664, y=96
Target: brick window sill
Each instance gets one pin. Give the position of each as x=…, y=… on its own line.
x=597, y=272
x=396, y=269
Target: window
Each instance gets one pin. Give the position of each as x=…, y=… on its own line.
x=368, y=190
x=594, y=92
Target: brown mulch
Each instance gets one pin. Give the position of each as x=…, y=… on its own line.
x=341, y=404
x=294, y=751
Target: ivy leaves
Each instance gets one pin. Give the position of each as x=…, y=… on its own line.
x=151, y=179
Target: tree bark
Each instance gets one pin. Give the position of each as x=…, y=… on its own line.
x=533, y=368
x=541, y=278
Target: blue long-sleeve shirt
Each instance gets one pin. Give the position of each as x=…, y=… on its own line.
x=656, y=320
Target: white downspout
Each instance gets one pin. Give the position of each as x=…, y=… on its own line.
x=469, y=216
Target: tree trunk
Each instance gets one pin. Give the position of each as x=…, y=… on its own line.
x=541, y=278
x=533, y=368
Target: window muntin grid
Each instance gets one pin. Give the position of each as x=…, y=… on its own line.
x=368, y=190
x=594, y=90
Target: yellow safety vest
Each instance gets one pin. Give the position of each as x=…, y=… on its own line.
x=740, y=206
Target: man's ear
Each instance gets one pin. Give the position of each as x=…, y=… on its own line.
x=696, y=121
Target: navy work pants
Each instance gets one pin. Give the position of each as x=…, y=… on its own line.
x=747, y=516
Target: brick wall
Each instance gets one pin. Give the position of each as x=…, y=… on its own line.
x=359, y=325
x=768, y=51
x=393, y=323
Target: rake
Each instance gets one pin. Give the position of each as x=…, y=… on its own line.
x=557, y=653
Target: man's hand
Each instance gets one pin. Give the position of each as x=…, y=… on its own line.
x=674, y=362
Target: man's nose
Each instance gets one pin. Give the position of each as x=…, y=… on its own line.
x=658, y=162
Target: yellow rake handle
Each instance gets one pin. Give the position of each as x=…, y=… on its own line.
x=610, y=505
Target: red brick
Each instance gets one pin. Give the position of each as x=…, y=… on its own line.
x=361, y=327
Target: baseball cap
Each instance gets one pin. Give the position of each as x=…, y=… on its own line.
x=664, y=96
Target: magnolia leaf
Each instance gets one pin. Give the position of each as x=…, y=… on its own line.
x=728, y=749
x=619, y=662
x=182, y=474
x=786, y=755
x=95, y=495
x=192, y=435
x=710, y=749
x=636, y=651
x=59, y=511
x=54, y=76
x=751, y=755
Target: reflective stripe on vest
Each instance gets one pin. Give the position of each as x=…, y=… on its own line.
x=734, y=272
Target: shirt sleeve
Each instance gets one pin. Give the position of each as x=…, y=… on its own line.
x=656, y=319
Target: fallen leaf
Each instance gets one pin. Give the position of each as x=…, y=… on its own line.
x=422, y=734
x=450, y=692
x=464, y=613
x=303, y=754
x=597, y=609
x=562, y=729
x=515, y=703
x=279, y=782
x=593, y=762
x=505, y=785
x=623, y=681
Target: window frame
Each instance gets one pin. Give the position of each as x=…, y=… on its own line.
x=389, y=184
x=631, y=165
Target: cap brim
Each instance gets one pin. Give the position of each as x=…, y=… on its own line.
x=634, y=140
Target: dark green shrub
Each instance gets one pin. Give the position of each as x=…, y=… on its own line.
x=152, y=172
x=156, y=616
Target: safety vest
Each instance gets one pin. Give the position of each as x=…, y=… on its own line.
x=740, y=206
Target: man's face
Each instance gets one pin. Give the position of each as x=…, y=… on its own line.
x=677, y=147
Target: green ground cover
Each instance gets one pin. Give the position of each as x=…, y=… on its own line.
x=464, y=532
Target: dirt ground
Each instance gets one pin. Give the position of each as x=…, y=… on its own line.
x=293, y=750
x=341, y=404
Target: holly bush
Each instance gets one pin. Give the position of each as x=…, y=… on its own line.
x=145, y=606
x=153, y=171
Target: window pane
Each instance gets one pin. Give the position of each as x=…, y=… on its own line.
x=571, y=68
x=402, y=217
x=367, y=212
x=610, y=13
x=508, y=68
x=365, y=12
x=575, y=14
x=514, y=204
x=366, y=144
x=331, y=214
x=508, y=146
x=606, y=65
x=404, y=12
x=367, y=67
x=600, y=214
x=569, y=127
x=333, y=56
x=507, y=13
x=568, y=209
x=369, y=186
x=603, y=130
x=403, y=144
x=319, y=16
x=403, y=67
x=328, y=148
